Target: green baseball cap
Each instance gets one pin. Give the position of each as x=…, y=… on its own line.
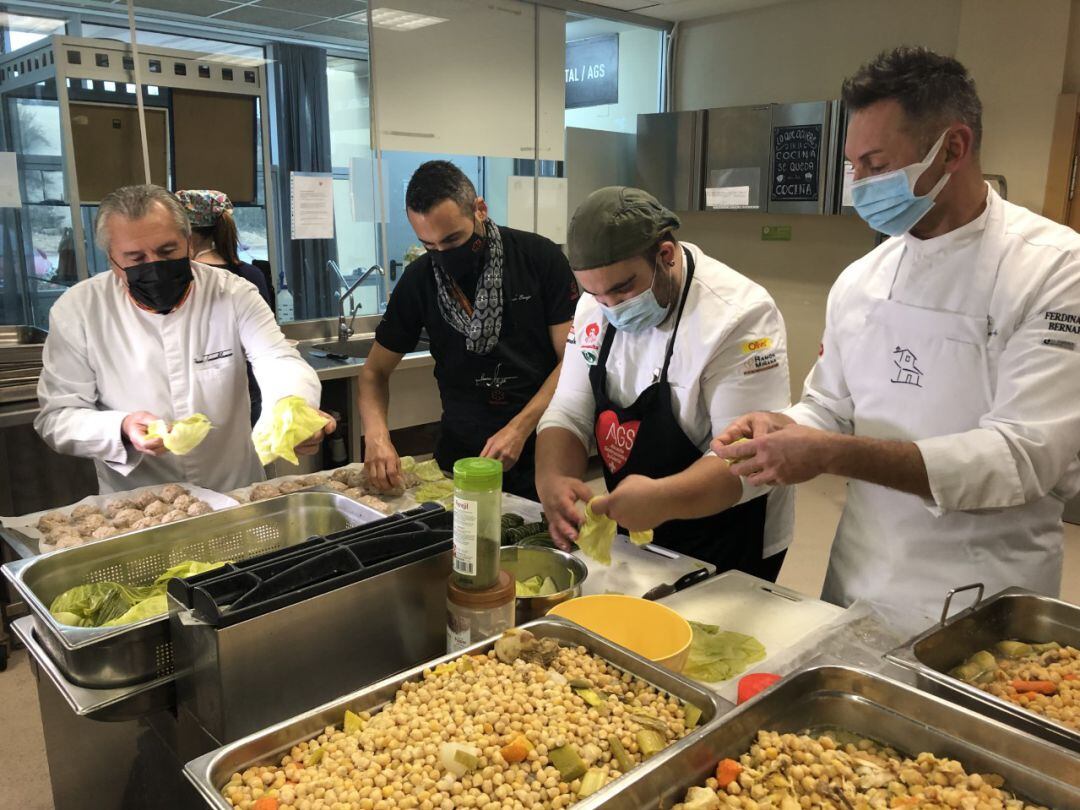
x=616, y=223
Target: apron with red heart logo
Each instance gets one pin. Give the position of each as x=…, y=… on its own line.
x=645, y=438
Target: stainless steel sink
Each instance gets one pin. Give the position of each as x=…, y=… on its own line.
x=353, y=349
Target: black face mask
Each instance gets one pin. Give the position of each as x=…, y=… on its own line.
x=159, y=286
x=460, y=261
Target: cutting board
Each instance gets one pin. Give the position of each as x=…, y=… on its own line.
x=778, y=617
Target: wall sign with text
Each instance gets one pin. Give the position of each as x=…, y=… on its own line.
x=796, y=163
x=592, y=71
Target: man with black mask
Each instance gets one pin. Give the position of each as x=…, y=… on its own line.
x=497, y=305
x=162, y=337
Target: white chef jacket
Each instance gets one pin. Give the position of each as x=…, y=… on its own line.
x=1023, y=451
x=105, y=358
x=730, y=357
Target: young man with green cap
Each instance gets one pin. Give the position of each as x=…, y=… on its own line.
x=667, y=345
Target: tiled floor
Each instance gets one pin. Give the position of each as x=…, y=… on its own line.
x=24, y=777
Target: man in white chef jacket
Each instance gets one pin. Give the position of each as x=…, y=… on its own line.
x=668, y=344
x=162, y=337
x=948, y=381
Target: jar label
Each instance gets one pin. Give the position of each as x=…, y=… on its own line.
x=457, y=639
x=465, y=523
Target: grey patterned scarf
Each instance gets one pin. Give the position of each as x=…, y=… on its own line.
x=481, y=329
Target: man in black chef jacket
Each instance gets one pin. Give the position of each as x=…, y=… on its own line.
x=497, y=305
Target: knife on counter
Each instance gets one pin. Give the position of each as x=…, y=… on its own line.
x=682, y=583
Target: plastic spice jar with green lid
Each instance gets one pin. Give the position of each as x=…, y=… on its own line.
x=477, y=522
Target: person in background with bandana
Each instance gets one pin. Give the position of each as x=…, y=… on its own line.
x=497, y=305
x=215, y=243
x=162, y=337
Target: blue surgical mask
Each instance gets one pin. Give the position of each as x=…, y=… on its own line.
x=636, y=314
x=888, y=201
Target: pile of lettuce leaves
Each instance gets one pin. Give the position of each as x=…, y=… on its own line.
x=717, y=655
x=110, y=604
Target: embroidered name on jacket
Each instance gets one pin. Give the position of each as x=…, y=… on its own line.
x=212, y=356
x=1063, y=322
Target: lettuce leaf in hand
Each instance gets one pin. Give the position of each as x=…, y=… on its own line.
x=184, y=435
x=597, y=535
x=292, y=422
x=718, y=655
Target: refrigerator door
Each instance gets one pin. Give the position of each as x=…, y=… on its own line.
x=669, y=157
x=737, y=158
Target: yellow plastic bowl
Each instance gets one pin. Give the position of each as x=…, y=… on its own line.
x=652, y=630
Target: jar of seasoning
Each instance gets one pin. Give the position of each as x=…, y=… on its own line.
x=477, y=522
x=472, y=616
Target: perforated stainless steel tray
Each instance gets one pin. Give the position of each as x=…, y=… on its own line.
x=112, y=657
x=209, y=773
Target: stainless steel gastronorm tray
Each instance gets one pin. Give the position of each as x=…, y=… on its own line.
x=210, y=773
x=1014, y=613
x=111, y=657
x=839, y=698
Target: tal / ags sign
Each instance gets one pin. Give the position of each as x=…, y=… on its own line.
x=592, y=71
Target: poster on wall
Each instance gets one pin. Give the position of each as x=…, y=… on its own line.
x=592, y=71
x=796, y=162
x=312, y=205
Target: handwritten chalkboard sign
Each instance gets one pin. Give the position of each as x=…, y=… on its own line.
x=796, y=162
x=592, y=71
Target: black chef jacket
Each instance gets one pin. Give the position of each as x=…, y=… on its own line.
x=482, y=393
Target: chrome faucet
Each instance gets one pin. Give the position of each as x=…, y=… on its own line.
x=345, y=330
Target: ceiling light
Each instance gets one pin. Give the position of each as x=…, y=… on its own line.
x=395, y=20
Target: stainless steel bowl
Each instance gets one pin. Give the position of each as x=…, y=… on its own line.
x=528, y=561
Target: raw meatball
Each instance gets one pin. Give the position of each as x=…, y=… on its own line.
x=170, y=492
x=183, y=502
x=313, y=480
x=103, y=532
x=260, y=492
x=411, y=479
x=115, y=507
x=374, y=503
x=90, y=523
x=239, y=495
x=126, y=517
x=84, y=511
x=174, y=515
x=356, y=478
x=52, y=521
x=341, y=474
x=337, y=486
x=288, y=487
x=156, y=509
x=69, y=541
x=145, y=523
x=199, y=508
x=61, y=533
x=143, y=500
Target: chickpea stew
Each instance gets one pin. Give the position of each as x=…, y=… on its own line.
x=529, y=724
x=836, y=770
x=1042, y=678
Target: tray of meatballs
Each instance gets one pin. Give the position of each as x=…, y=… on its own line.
x=100, y=517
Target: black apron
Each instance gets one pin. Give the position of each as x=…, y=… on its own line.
x=645, y=439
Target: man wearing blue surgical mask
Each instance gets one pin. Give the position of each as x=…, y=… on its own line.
x=668, y=344
x=948, y=378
